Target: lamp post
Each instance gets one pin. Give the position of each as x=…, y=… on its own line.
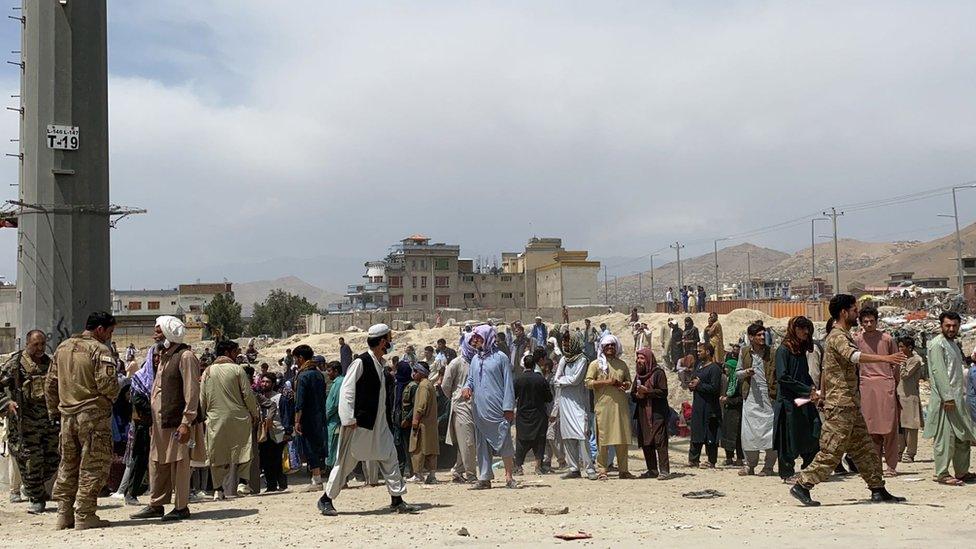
x=955, y=216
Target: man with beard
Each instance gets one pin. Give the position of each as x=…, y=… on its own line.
x=365, y=433
x=844, y=429
x=31, y=435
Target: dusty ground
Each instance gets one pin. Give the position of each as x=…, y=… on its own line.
x=755, y=512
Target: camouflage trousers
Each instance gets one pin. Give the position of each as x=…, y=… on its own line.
x=86, y=456
x=844, y=431
x=33, y=441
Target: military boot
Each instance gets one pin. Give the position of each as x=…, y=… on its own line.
x=91, y=522
x=66, y=516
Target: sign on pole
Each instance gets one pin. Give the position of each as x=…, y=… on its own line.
x=64, y=138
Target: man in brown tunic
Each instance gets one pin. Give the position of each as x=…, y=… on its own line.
x=424, y=443
x=81, y=386
x=844, y=429
x=176, y=436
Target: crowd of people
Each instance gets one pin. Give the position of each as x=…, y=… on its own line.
x=182, y=427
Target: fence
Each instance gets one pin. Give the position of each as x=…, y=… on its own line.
x=814, y=310
x=317, y=324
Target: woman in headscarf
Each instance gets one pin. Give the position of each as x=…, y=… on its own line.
x=650, y=392
x=137, y=451
x=797, y=429
x=731, y=400
x=573, y=401
x=609, y=379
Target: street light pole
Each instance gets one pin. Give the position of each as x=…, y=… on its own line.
x=653, y=297
x=677, y=248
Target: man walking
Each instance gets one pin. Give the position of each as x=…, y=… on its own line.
x=539, y=334
x=365, y=433
x=345, y=354
x=491, y=388
x=879, y=389
x=460, y=423
x=81, y=386
x=227, y=400
x=310, y=397
x=176, y=436
x=424, y=444
x=757, y=374
x=532, y=394
x=843, y=427
x=31, y=435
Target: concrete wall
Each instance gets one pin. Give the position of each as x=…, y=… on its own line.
x=814, y=310
x=317, y=324
x=8, y=341
x=580, y=285
x=9, y=307
x=548, y=287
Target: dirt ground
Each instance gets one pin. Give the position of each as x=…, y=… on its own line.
x=755, y=512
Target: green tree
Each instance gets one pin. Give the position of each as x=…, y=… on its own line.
x=279, y=313
x=224, y=316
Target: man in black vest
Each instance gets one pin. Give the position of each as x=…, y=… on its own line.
x=366, y=422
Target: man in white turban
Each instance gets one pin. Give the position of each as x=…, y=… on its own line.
x=176, y=435
x=366, y=433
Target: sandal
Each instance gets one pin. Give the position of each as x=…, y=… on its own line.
x=602, y=476
x=967, y=478
x=626, y=476
x=949, y=481
x=889, y=473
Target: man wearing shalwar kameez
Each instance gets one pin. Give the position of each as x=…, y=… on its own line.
x=757, y=374
x=879, y=390
x=948, y=422
x=609, y=378
x=573, y=402
x=460, y=423
x=491, y=388
x=365, y=433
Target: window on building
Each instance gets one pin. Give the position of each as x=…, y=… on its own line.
x=442, y=264
x=413, y=281
x=521, y=294
x=413, y=264
x=423, y=298
x=468, y=296
x=414, y=298
x=506, y=278
x=423, y=282
x=153, y=305
x=442, y=281
x=423, y=263
x=135, y=305
x=506, y=295
x=396, y=281
x=469, y=279
x=484, y=296
x=443, y=301
x=396, y=301
x=172, y=303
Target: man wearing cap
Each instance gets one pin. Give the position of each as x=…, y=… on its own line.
x=366, y=420
x=539, y=334
x=424, y=444
x=176, y=435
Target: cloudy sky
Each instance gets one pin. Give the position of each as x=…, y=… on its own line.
x=262, y=133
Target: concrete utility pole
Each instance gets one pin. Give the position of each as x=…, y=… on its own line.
x=716, y=264
x=63, y=263
x=677, y=249
x=606, y=286
x=813, y=255
x=640, y=289
x=833, y=215
x=653, y=297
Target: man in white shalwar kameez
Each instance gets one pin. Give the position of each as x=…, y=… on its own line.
x=757, y=374
x=573, y=401
x=460, y=424
x=365, y=434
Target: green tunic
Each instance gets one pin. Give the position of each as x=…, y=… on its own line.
x=948, y=383
x=333, y=423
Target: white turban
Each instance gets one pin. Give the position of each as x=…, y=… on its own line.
x=609, y=339
x=173, y=328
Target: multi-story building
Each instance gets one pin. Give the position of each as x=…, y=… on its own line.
x=149, y=303
x=420, y=275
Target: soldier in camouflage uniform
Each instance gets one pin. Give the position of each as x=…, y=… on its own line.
x=31, y=435
x=844, y=429
x=81, y=387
